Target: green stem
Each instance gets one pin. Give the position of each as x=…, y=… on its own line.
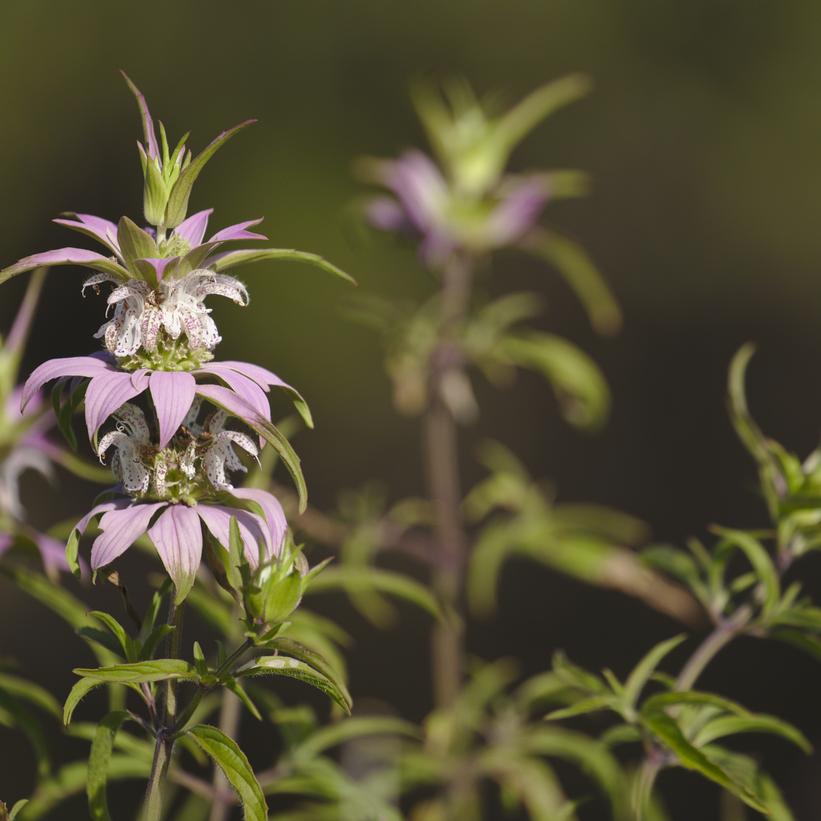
x=164, y=744
x=721, y=635
x=712, y=645
x=442, y=459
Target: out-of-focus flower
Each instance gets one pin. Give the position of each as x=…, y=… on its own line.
x=466, y=202
x=24, y=444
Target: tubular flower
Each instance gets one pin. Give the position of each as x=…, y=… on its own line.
x=242, y=390
x=24, y=444
x=159, y=339
x=448, y=220
x=175, y=529
x=172, y=491
x=175, y=308
x=465, y=202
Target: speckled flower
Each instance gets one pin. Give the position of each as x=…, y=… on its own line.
x=25, y=445
x=242, y=392
x=175, y=529
x=172, y=490
x=424, y=204
x=174, y=308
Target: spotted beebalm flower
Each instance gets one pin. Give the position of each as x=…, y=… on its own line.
x=172, y=491
x=447, y=220
x=24, y=443
x=242, y=391
x=465, y=202
x=175, y=308
x=175, y=529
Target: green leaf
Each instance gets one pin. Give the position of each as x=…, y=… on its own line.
x=125, y=641
x=18, y=806
x=661, y=701
x=756, y=723
x=583, y=707
x=134, y=242
x=758, y=557
x=745, y=426
x=574, y=676
x=351, y=728
x=293, y=668
x=239, y=691
x=355, y=579
x=77, y=693
x=141, y=671
x=584, y=398
x=71, y=780
x=103, y=264
x=177, y=206
x=538, y=105
x=98, y=759
x=235, y=258
x=28, y=690
x=666, y=730
x=573, y=263
x=641, y=673
x=235, y=767
x=30, y=725
x=588, y=754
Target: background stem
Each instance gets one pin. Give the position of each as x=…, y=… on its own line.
x=444, y=488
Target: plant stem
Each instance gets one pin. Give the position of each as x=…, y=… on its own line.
x=442, y=462
x=721, y=635
x=712, y=645
x=164, y=744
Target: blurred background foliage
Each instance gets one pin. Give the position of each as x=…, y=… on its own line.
x=702, y=139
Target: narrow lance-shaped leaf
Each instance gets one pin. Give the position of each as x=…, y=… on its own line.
x=664, y=728
x=234, y=765
x=293, y=668
x=646, y=667
x=351, y=728
x=579, y=385
x=752, y=723
x=178, y=200
x=538, y=105
x=141, y=671
x=232, y=259
x=31, y=692
x=353, y=579
x=581, y=274
x=758, y=557
x=98, y=761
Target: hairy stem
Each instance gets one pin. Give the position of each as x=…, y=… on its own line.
x=444, y=487
x=164, y=744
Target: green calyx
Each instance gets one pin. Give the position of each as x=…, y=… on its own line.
x=169, y=355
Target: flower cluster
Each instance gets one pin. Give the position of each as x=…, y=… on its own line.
x=24, y=444
x=466, y=203
x=173, y=471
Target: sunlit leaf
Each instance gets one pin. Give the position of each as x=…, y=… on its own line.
x=232, y=761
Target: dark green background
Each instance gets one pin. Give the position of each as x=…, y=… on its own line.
x=703, y=138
